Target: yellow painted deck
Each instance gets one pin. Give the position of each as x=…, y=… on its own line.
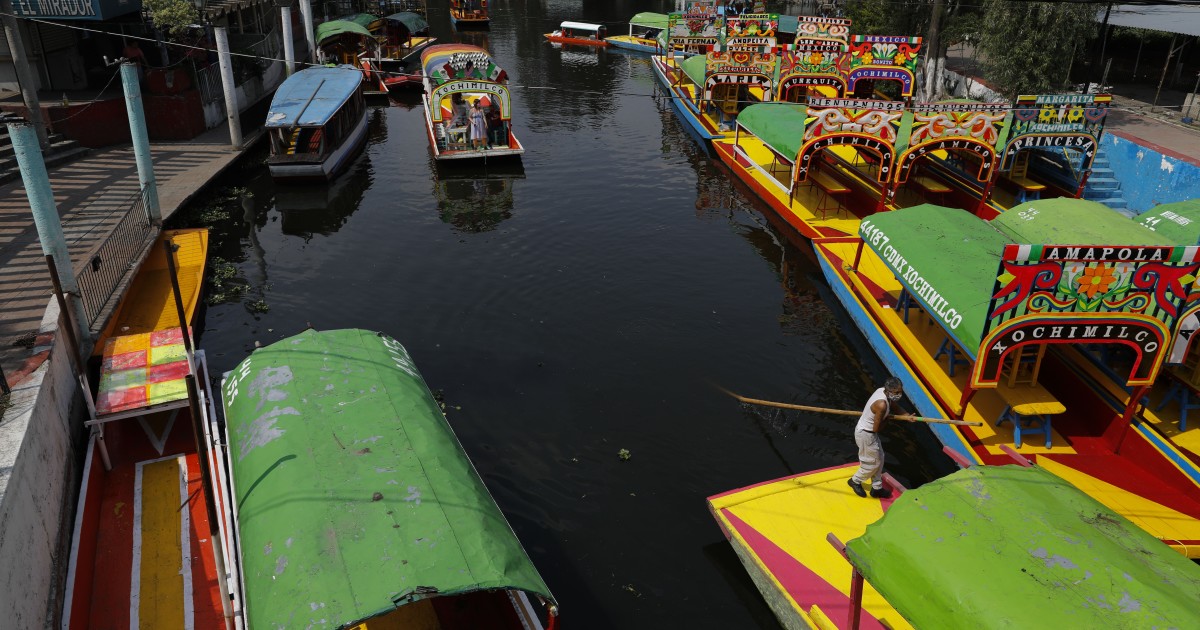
x=1161, y=521
x=149, y=304
x=161, y=595
x=775, y=177
x=796, y=513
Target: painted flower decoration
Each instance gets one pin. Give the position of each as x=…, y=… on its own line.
x=899, y=59
x=816, y=58
x=1095, y=280
x=867, y=58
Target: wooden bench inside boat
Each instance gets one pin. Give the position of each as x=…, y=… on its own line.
x=1027, y=189
x=831, y=192
x=931, y=186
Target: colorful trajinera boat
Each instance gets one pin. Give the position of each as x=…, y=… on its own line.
x=469, y=14
x=825, y=165
x=644, y=29
x=317, y=123
x=709, y=91
x=985, y=547
x=402, y=36
x=148, y=550
x=1050, y=325
x=456, y=77
x=356, y=503
x=579, y=34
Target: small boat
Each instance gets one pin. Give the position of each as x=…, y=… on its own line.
x=644, y=29
x=994, y=322
x=355, y=501
x=708, y=92
x=149, y=304
x=468, y=14
x=457, y=76
x=147, y=550
x=579, y=34
x=1010, y=546
x=403, y=35
x=317, y=123
x=351, y=42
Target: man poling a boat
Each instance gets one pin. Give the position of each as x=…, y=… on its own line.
x=866, y=435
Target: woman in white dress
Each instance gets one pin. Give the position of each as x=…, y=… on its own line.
x=478, y=126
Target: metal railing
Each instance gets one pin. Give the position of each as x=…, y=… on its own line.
x=267, y=50
x=117, y=255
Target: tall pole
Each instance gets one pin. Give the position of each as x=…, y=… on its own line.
x=227, y=85
x=289, y=47
x=45, y=213
x=306, y=16
x=141, y=140
x=1163, y=78
x=1094, y=70
x=16, y=49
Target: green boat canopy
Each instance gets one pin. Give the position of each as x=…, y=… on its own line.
x=946, y=258
x=1178, y=221
x=333, y=28
x=649, y=19
x=361, y=19
x=1066, y=221
x=693, y=67
x=413, y=22
x=788, y=24
x=1014, y=547
x=779, y=125
x=354, y=496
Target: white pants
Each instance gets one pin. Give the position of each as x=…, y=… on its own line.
x=870, y=458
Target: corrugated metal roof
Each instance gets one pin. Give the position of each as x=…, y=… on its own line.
x=1170, y=18
x=312, y=96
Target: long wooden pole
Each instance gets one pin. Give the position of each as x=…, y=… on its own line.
x=845, y=412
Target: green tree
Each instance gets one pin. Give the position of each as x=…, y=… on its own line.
x=1029, y=47
x=172, y=17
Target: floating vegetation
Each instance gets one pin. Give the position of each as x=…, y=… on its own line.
x=624, y=454
x=258, y=306
x=222, y=284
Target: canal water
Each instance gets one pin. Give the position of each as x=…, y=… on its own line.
x=586, y=303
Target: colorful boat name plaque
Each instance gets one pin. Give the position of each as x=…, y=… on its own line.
x=973, y=127
x=883, y=57
x=1073, y=121
x=744, y=67
x=1074, y=293
x=865, y=124
x=497, y=90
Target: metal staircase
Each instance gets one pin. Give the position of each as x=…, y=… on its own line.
x=1103, y=185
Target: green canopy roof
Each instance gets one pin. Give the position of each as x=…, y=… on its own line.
x=413, y=22
x=1014, y=547
x=946, y=258
x=362, y=19
x=649, y=20
x=354, y=494
x=788, y=24
x=693, y=67
x=1066, y=221
x=326, y=30
x=779, y=125
x=1178, y=221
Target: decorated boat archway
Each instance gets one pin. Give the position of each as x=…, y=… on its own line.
x=882, y=58
x=964, y=135
x=1064, y=127
x=812, y=67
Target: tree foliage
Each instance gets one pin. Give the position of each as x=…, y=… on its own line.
x=1028, y=47
x=172, y=17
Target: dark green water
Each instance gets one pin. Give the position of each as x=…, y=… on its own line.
x=580, y=306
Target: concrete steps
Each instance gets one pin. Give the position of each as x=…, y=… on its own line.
x=61, y=151
x=1103, y=185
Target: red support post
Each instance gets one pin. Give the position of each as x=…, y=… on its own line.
x=856, y=592
x=1082, y=183
x=987, y=194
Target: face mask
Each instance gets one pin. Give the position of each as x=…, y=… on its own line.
x=892, y=397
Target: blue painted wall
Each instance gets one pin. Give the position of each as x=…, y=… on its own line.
x=1148, y=177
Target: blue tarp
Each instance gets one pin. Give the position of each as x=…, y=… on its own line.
x=311, y=96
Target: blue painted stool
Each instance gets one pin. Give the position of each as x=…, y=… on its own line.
x=905, y=302
x=1182, y=393
x=1022, y=424
x=950, y=350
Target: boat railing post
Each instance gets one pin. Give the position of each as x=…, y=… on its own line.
x=228, y=86
x=141, y=140
x=289, y=46
x=45, y=214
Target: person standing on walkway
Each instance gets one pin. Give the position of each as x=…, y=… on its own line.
x=866, y=435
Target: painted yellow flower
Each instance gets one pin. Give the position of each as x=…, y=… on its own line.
x=816, y=58
x=899, y=59
x=868, y=58
x=1095, y=280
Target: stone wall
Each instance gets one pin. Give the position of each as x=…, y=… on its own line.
x=41, y=439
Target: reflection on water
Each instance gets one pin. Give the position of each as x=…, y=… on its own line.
x=574, y=303
x=476, y=202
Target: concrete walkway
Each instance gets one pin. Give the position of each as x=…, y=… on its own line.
x=92, y=195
